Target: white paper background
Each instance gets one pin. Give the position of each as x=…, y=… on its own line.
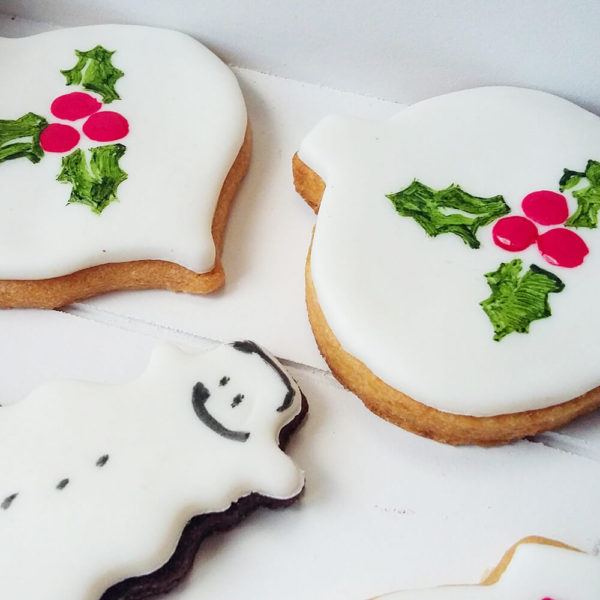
x=383, y=509
x=398, y=50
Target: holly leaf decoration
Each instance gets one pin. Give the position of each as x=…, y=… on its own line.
x=516, y=299
x=95, y=72
x=94, y=184
x=14, y=134
x=451, y=210
x=588, y=198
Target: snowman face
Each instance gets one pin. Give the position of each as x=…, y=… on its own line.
x=114, y=144
x=226, y=408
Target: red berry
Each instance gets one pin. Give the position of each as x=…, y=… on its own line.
x=514, y=233
x=106, y=126
x=545, y=207
x=562, y=247
x=75, y=105
x=59, y=138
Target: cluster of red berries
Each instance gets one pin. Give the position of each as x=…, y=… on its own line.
x=100, y=125
x=559, y=246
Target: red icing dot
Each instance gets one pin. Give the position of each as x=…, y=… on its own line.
x=74, y=106
x=514, y=233
x=59, y=138
x=562, y=247
x=106, y=126
x=545, y=207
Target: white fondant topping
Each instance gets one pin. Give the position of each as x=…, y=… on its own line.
x=187, y=121
x=406, y=304
x=536, y=572
x=164, y=466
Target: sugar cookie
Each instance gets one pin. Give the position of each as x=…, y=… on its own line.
x=452, y=278
x=121, y=149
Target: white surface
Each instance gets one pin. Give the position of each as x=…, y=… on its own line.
x=383, y=509
x=535, y=571
x=402, y=51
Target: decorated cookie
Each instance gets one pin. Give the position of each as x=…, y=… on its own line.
x=453, y=273
x=121, y=149
x=533, y=569
x=107, y=491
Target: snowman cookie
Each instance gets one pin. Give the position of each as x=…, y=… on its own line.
x=121, y=149
x=453, y=272
x=107, y=490
x=534, y=569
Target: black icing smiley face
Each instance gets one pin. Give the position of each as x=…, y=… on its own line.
x=226, y=405
x=224, y=408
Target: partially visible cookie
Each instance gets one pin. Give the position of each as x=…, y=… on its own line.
x=121, y=150
x=107, y=491
x=452, y=280
x=533, y=569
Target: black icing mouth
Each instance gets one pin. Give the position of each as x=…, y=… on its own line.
x=199, y=397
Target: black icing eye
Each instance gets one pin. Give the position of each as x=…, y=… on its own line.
x=8, y=501
x=237, y=400
x=102, y=460
x=224, y=380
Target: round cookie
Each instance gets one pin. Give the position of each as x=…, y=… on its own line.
x=449, y=304
x=121, y=150
x=535, y=567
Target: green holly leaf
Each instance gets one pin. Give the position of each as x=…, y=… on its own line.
x=516, y=299
x=95, y=72
x=94, y=184
x=588, y=198
x=14, y=134
x=451, y=210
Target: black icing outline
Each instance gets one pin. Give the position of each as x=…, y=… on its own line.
x=249, y=348
x=197, y=530
x=199, y=397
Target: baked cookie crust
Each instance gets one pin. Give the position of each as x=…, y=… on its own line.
x=134, y=275
x=402, y=410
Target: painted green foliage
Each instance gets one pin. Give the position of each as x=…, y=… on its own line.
x=20, y=138
x=95, y=72
x=94, y=184
x=517, y=300
x=451, y=210
x=588, y=198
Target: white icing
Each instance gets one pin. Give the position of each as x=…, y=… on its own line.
x=536, y=572
x=165, y=465
x=406, y=304
x=187, y=122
